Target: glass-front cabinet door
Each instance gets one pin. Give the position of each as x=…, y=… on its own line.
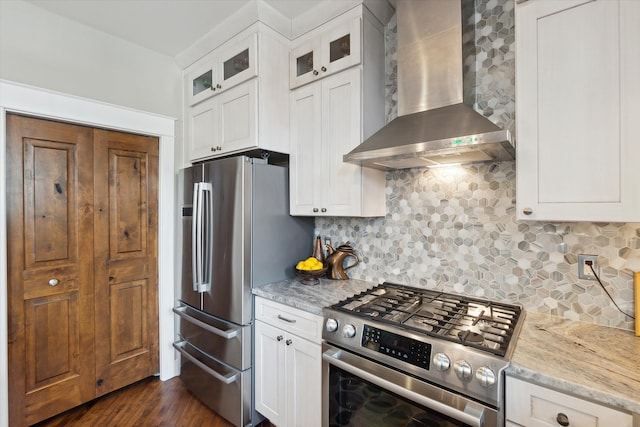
x=336, y=48
x=238, y=62
x=201, y=83
x=226, y=67
x=304, y=63
x=341, y=47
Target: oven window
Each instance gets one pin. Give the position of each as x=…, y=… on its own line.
x=358, y=403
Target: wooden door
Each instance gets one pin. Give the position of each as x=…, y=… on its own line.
x=50, y=267
x=126, y=277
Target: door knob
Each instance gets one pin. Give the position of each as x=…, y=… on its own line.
x=53, y=282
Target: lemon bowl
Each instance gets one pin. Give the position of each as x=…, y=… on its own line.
x=311, y=277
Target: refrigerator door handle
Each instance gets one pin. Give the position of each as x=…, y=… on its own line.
x=227, y=379
x=201, y=238
x=228, y=334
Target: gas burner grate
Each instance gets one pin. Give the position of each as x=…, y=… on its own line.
x=481, y=324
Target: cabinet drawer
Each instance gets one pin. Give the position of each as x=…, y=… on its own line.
x=289, y=319
x=535, y=406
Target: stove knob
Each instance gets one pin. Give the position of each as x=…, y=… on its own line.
x=331, y=325
x=349, y=331
x=463, y=370
x=486, y=377
x=441, y=361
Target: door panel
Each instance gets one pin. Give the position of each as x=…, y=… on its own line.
x=50, y=273
x=126, y=266
x=128, y=323
x=52, y=339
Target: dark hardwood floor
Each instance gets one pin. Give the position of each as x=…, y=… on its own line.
x=149, y=402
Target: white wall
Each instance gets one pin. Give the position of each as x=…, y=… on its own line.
x=42, y=49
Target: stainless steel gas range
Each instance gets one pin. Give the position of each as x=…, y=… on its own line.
x=401, y=356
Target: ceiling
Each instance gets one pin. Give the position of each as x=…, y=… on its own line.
x=165, y=26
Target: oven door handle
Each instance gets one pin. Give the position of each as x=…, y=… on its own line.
x=333, y=357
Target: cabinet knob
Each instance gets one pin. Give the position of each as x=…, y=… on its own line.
x=315, y=72
x=218, y=86
x=315, y=209
x=53, y=282
x=323, y=68
x=279, y=337
x=323, y=209
x=527, y=211
x=562, y=419
x=289, y=342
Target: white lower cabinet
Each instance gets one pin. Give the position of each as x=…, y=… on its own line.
x=531, y=405
x=288, y=362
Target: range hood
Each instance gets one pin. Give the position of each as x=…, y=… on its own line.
x=436, y=76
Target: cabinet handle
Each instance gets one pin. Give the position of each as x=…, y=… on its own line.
x=562, y=419
x=315, y=209
x=323, y=209
x=527, y=211
x=53, y=282
x=315, y=72
x=288, y=342
x=323, y=69
x=286, y=320
x=279, y=337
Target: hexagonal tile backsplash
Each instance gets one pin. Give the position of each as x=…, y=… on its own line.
x=455, y=229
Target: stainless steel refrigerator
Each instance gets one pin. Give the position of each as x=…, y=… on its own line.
x=236, y=233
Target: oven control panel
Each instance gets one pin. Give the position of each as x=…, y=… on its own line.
x=397, y=346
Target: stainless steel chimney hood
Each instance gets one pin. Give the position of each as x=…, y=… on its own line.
x=435, y=123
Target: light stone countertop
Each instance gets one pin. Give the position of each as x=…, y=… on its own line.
x=312, y=298
x=579, y=358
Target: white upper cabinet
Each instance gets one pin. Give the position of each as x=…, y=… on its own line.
x=329, y=118
x=577, y=88
x=237, y=97
x=335, y=47
x=223, y=69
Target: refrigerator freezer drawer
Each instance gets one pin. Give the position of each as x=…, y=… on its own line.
x=224, y=341
x=223, y=389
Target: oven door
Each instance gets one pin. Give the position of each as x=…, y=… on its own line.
x=359, y=392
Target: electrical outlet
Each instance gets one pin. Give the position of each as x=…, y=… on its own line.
x=584, y=271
